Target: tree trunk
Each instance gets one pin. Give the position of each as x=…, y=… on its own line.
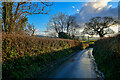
x=5, y=16
x=13, y=27
x=11, y=17
x=68, y=27
x=33, y=33
x=101, y=35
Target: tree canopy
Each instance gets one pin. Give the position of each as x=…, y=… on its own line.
x=99, y=26
x=62, y=23
x=57, y=22
x=14, y=14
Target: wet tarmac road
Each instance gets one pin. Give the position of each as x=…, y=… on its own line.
x=78, y=66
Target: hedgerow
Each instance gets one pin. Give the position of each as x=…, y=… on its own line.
x=24, y=55
x=107, y=55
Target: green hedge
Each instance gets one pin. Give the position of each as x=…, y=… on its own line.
x=22, y=56
x=107, y=55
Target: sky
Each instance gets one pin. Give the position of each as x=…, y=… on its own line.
x=82, y=10
x=40, y=20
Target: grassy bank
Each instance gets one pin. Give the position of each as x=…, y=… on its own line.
x=107, y=55
x=23, y=56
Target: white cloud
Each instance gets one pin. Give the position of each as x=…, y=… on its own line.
x=93, y=9
x=73, y=6
x=78, y=10
x=99, y=0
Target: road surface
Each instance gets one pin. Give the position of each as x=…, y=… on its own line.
x=78, y=66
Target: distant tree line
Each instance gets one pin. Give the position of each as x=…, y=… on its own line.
x=65, y=26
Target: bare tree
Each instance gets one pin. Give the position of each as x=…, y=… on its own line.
x=71, y=25
x=58, y=22
x=99, y=26
x=63, y=23
x=30, y=29
x=13, y=11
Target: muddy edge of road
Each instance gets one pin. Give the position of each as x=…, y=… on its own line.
x=99, y=74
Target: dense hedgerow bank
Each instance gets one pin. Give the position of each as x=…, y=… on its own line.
x=24, y=55
x=107, y=55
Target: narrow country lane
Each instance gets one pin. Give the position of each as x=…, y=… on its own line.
x=78, y=66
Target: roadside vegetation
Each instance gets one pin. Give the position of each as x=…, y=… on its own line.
x=22, y=56
x=107, y=56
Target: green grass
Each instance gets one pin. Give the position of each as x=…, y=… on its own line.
x=90, y=42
